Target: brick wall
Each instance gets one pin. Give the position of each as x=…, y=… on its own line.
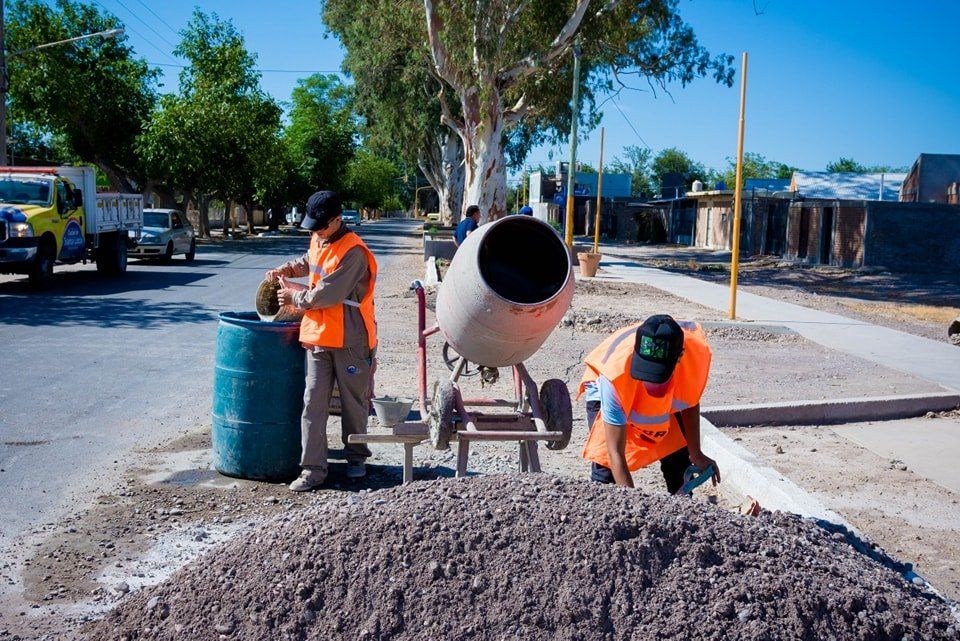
x=848, y=236
x=912, y=236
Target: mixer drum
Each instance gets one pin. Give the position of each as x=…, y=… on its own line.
x=507, y=288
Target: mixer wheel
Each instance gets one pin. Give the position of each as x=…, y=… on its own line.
x=440, y=417
x=557, y=411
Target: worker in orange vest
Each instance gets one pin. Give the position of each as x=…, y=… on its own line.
x=338, y=331
x=643, y=386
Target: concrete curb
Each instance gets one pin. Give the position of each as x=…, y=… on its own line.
x=749, y=476
x=843, y=410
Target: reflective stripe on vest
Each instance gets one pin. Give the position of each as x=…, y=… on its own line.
x=652, y=428
x=324, y=327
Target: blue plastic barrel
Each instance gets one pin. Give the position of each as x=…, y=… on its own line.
x=257, y=398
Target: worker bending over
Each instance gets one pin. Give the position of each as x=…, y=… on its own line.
x=338, y=331
x=643, y=386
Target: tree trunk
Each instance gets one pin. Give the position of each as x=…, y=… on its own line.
x=486, y=175
x=248, y=207
x=227, y=217
x=453, y=171
x=204, y=216
x=442, y=165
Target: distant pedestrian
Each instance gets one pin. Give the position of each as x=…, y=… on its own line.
x=469, y=224
x=338, y=330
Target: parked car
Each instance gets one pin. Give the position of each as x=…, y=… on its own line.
x=294, y=217
x=166, y=232
x=351, y=216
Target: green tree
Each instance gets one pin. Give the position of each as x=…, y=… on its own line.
x=212, y=137
x=94, y=95
x=673, y=160
x=505, y=60
x=849, y=165
x=371, y=181
x=395, y=94
x=637, y=164
x=755, y=166
x=321, y=133
x=500, y=70
x=846, y=166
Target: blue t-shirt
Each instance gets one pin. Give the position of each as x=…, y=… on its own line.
x=466, y=226
x=610, y=408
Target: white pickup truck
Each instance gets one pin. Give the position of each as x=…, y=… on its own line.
x=55, y=215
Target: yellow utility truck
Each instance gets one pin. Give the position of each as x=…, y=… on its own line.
x=54, y=215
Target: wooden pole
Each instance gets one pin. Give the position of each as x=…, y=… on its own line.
x=737, y=191
x=596, y=224
x=571, y=172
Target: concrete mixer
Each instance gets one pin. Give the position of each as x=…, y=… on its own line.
x=506, y=290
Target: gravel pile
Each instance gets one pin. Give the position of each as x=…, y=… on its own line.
x=530, y=557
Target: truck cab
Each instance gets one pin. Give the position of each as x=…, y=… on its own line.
x=41, y=221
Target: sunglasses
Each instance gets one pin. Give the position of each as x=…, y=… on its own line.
x=326, y=224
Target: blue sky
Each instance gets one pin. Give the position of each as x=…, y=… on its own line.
x=875, y=81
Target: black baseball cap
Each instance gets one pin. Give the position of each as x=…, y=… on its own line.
x=658, y=346
x=322, y=207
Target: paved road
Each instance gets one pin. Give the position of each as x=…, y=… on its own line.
x=96, y=367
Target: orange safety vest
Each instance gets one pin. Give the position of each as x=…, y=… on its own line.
x=652, y=428
x=324, y=326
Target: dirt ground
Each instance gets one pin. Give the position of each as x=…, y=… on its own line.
x=908, y=515
x=923, y=304
x=171, y=507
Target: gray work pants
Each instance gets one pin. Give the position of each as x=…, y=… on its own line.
x=350, y=367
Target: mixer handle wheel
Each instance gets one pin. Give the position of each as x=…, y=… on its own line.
x=451, y=358
x=557, y=411
x=440, y=416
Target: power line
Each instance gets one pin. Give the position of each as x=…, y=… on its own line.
x=145, y=23
x=614, y=101
x=182, y=66
x=165, y=23
x=129, y=28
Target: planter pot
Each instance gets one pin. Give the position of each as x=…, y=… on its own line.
x=588, y=263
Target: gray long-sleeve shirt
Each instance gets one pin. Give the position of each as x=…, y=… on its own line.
x=348, y=282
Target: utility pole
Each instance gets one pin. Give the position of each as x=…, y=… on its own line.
x=737, y=189
x=596, y=224
x=572, y=170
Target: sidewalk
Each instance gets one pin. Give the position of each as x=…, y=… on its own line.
x=934, y=361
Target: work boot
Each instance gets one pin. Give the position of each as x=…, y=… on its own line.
x=356, y=470
x=308, y=480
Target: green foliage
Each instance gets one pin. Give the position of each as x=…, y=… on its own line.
x=846, y=165
x=755, y=166
x=849, y=165
x=218, y=134
x=637, y=164
x=321, y=132
x=371, y=180
x=674, y=160
x=93, y=95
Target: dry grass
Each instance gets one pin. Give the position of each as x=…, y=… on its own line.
x=938, y=314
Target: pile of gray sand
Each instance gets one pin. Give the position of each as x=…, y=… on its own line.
x=530, y=557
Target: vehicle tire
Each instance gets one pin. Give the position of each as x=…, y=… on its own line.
x=112, y=254
x=168, y=254
x=440, y=416
x=192, y=254
x=41, y=272
x=557, y=411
